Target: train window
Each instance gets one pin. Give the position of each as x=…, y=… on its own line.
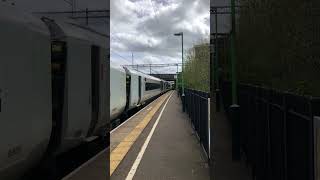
x=152, y=86
x=58, y=51
x=56, y=48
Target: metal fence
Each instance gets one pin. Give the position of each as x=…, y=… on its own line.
x=278, y=132
x=197, y=107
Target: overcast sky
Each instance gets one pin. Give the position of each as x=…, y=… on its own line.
x=63, y=5
x=146, y=28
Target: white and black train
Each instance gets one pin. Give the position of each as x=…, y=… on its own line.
x=53, y=89
x=130, y=89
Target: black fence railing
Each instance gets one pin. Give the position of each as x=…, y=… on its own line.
x=278, y=132
x=196, y=105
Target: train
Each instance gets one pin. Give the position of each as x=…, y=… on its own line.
x=131, y=89
x=54, y=84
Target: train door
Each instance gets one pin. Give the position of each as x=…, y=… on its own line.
x=58, y=77
x=58, y=82
x=139, y=89
x=128, y=89
x=95, y=87
x=161, y=86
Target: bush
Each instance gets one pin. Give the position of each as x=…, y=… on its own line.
x=278, y=45
x=197, y=65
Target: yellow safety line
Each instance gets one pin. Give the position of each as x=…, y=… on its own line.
x=122, y=149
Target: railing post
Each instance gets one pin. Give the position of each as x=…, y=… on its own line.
x=316, y=126
x=200, y=117
x=209, y=130
x=193, y=110
x=285, y=114
x=235, y=112
x=218, y=100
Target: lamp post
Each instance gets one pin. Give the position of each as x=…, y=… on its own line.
x=177, y=77
x=182, y=81
x=234, y=108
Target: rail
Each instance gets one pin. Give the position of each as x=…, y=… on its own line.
x=197, y=107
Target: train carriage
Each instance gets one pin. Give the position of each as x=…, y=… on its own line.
x=118, y=91
x=152, y=87
x=134, y=88
x=25, y=91
x=79, y=84
x=53, y=89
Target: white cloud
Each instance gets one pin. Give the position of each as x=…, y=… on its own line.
x=146, y=28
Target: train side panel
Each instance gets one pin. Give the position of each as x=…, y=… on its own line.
x=117, y=91
x=151, y=88
x=134, y=91
x=25, y=92
x=103, y=104
x=77, y=109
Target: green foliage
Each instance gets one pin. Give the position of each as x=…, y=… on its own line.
x=278, y=45
x=196, y=69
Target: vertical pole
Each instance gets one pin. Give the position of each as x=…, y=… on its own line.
x=132, y=58
x=177, y=79
x=182, y=66
x=216, y=65
x=234, y=108
x=72, y=7
x=233, y=56
x=87, y=19
x=183, y=95
x=150, y=68
x=216, y=50
x=211, y=112
x=177, y=69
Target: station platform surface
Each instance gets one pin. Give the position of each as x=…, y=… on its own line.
x=157, y=143
x=224, y=167
x=96, y=168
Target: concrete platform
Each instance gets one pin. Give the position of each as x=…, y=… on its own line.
x=123, y=138
x=173, y=151
x=224, y=168
x=96, y=168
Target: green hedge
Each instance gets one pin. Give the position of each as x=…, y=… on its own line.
x=196, y=69
x=278, y=45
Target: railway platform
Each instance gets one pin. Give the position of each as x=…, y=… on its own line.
x=158, y=142
x=96, y=168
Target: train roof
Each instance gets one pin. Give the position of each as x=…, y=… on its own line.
x=133, y=71
x=116, y=67
x=154, y=78
x=62, y=28
x=75, y=30
x=12, y=15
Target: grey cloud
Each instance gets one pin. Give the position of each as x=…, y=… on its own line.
x=189, y=16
